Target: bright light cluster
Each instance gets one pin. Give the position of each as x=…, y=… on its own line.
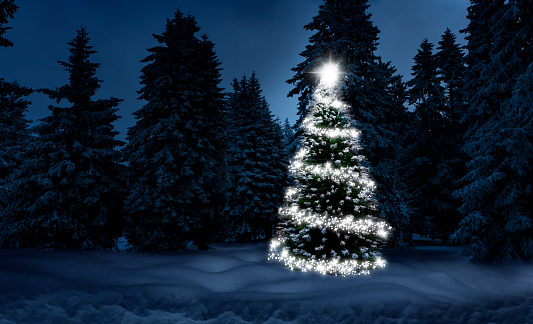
x=345, y=223
x=309, y=123
x=278, y=251
x=347, y=133
x=329, y=74
x=322, y=96
x=350, y=177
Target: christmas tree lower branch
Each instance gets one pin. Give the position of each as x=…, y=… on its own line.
x=329, y=218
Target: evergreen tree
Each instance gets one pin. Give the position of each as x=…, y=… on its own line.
x=450, y=67
x=7, y=10
x=397, y=167
x=344, y=33
x=426, y=94
x=13, y=131
x=496, y=195
x=176, y=149
x=330, y=222
x=255, y=163
x=13, y=106
x=66, y=193
x=289, y=137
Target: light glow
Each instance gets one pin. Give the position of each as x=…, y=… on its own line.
x=329, y=74
x=332, y=267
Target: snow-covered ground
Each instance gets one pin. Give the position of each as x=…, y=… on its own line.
x=236, y=284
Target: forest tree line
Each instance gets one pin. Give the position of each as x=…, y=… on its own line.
x=450, y=149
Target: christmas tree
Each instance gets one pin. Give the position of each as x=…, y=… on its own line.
x=330, y=222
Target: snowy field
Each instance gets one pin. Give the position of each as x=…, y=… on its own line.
x=235, y=284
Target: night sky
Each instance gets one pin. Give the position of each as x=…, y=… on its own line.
x=261, y=36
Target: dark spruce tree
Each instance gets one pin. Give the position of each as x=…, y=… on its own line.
x=256, y=163
x=450, y=63
x=289, y=137
x=449, y=59
x=176, y=149
x=13, y=106
x=497, y=189
x=13, y=132
x=7, y=10
x=427, y=96
x=66, y=193
x=343, y=33
x=397, y=167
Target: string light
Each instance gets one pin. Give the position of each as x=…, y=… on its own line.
x=347, y=224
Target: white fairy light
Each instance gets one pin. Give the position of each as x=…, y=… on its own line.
x=380, y=263
x=333, y=266
x=363, y=226
x=383, y=233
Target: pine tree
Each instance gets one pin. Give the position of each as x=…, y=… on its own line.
x=255, y=163
x=13, y=131
x=7, y=10
x=66, y=193
x=13, y=106
x=344, y=33
x=176, y=149
x=450, y=68
x=496, y=192
x=289, y=137
x=426, y=94
x=496, y=195
x=449, y=60
x=281, y=154
x=397, y=167
x=330, y=222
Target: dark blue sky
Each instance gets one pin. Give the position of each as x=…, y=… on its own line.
x=261, y=36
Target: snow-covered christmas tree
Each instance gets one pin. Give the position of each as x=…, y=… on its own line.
x=330, y=222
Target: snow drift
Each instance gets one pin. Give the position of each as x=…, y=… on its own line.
x=236, y=284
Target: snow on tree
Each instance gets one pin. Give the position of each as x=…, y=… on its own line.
x=496, y=192
x=255, y=163
x=66, y=194
x=343, y=30
x=176, y=148
x=330, y=222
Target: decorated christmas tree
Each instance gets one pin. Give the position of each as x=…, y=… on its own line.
x=329, y=217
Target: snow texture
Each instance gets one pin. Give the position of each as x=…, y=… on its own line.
x=235, y=284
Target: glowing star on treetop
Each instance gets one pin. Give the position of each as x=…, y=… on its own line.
x=329, y=74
